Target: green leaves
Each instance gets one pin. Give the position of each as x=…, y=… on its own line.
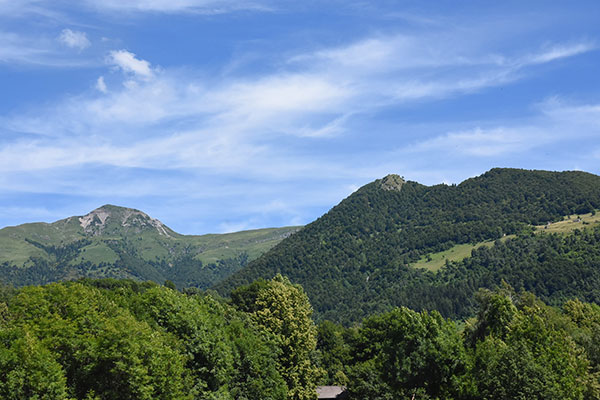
x=534, y=357
x=103, y=348
x=516, y=348
x=283, y=310
x=106, y=340
x=131, y=341
x=28, y=370
x=410, y=352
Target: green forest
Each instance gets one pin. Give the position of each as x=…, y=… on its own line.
x=358, y=258
x=121, y=339
x=349, y=300
x=516, y=347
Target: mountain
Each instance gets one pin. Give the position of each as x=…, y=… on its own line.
x=122, y=242
x=363, y=255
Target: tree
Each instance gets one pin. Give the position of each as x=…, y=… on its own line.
x=227, y=357
x=404, y=353
x=284, y=311
x=104, y=350
x=528, y=353
x=28, y=370
x=334, y=352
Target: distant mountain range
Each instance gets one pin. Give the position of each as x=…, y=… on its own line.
x=399, y=243
x=121, y=242
x=391, y=243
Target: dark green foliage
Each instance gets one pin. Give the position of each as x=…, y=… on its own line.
x=333, y=342
x=226, y=355
x=128, y=340
x=355, y=260
x=411, y=352
x=531, y=354
x=244, y=298
x=102, y=348
x=114, y=339
x=585, y=331
x=554, y=267
x=62, y=253
x=516, y=348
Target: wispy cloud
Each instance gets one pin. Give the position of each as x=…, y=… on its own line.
x=556, y=122
x=395, y=68
x=16, y=49
x=74, y=39
x=45, y=51
x=56, y=10
x=267, y=126
x=178, y=6
x=234, y=121
x=494, y=142
x=22, y=8
x=556, y=52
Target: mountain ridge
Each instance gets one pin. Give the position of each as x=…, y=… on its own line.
x=354, y=259
x=121, y=242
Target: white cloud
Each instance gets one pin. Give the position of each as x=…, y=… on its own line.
x=11, y=8
x=178, y=6
x=329, y=129
x=558, y=127
x=15, y=48
x=74, y=39
x=398, y=68
x=573, y=115
x=168, y=119
x=556, y=52
x=127, y=62
x=101, y=85
x=492, y=142
x=37, y=50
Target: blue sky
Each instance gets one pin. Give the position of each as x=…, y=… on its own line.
x=223, y=115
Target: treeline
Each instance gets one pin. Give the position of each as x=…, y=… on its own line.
x=515, y=348
x=110, y=339
x=356, y=259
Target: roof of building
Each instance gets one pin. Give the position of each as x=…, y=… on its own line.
x=331, y=392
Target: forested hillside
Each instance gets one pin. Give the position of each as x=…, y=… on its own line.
x=358, y=258
x=120, y=242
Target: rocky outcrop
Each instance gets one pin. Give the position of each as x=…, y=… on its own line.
x=109, y=219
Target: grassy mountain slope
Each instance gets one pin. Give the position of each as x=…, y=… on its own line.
x=433, y=262
x=120, y=242
x=358, y=258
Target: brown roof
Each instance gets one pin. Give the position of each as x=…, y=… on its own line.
x=331, y=392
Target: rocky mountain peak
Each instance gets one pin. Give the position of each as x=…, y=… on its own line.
x=392, y=182
x=110, y=219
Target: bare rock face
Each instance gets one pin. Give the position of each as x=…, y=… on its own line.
x=95, y=219
x=110, y=219
x=392, y=182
